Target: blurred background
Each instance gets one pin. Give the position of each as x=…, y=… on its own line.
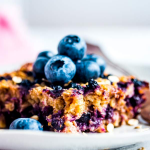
x=121, y=28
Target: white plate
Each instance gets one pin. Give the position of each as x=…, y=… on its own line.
x=122, y=136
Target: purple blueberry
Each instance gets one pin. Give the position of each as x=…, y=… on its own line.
x=85, y=118
x=109, y=112
x=57, y=88
x=29, y=73
x=26, y=124
x=86, y=70
x=92, y=85
x=26, y=83
x=58, y=123
x=60, y=70
x=136, y=82
x=38, y=66
x=98, y=59
x=5, y=78
x=75, y=85
x=73, y=47
x=46, y=54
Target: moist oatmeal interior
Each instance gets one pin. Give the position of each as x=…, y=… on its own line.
x=76, y=107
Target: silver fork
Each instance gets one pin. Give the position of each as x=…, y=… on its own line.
x=93, y=49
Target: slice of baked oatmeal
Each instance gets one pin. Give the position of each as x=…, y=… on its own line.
x=75, y=107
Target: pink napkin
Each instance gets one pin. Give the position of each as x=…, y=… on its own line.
x=15, y=43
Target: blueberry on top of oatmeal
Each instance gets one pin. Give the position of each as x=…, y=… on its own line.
x=72, y=46
x=38, y=66
x=60, y=70
x=86, y=70
x=99, y=60
x=46, y=54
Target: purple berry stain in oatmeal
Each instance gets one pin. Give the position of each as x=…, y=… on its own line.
x=137, y=99
x=109, y=112
x=90, y=121
x=123, y=85
x=92, y=85
x=5, y=78
x=57, y=121
x=56, y=92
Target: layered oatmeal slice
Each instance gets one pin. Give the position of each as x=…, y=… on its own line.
x=76, y=107
x=68, y=92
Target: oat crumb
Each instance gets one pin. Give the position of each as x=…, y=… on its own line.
x=142, y=148
x=110, y=127
x=17, y=79
x=138, y=127
x=35, y=117
x=132, y=122
x=84, y=133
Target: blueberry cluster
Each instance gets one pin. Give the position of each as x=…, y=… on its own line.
x=69, y=64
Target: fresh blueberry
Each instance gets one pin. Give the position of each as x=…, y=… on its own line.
x=2, y=78
x=86, y=70
x=37, y=81
x=5, y=78
x=85, y=118
x=109, y=112
x=98, y=59
x=57, y=87
x=60, y=70
x=26, y=83
x=58, y=123
x=29, y=73
x=46, y=54
x=38, y=66
x=75, y=85
x=73, y=47
x=26, y=124
x=92, y=84
x=136, y=82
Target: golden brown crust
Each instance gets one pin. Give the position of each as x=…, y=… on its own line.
x=26, y=67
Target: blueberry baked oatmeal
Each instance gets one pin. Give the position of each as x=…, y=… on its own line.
x=68, y=92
